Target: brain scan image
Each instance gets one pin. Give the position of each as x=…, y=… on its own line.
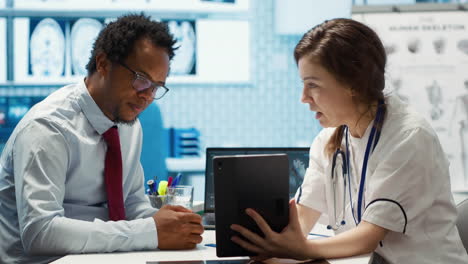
x=83, y=34
x=47, y=49
x=185, y=56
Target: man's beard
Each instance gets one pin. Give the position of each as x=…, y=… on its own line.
x=125, y=122
x=118, y=120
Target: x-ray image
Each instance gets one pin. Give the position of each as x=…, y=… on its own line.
x=297, y=173
x=53, y=48
x=184, y=61
x=83, y=34
x=46, y=48
x=462, y=45
x=434, y=93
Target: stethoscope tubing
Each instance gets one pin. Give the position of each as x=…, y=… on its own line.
x=346, y=169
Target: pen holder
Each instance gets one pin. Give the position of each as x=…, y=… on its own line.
x=157, y=201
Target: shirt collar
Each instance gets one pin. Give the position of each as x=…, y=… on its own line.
x=100, y=122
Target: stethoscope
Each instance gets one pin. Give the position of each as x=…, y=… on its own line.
x=338, y=155
x=346, y=172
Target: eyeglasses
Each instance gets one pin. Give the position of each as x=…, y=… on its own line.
x=141, y=83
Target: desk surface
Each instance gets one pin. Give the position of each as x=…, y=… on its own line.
x=200, y=253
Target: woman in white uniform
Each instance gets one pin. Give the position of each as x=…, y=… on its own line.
x=377, y=173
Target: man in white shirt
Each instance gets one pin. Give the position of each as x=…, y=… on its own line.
x=55, y=194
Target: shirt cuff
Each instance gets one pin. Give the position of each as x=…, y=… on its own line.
x=386, y=213
x=145, y=234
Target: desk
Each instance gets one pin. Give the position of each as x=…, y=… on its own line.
x=200, y=253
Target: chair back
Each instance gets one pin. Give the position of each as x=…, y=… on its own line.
x=462, y=222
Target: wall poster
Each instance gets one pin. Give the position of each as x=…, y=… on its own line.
x=428, y=68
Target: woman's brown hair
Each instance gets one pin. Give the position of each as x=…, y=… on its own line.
x=353, y=53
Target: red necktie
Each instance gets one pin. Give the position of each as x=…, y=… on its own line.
x=113, y=175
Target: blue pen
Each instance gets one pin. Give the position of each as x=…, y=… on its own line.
x=155, y=186
x=210, y=245
x=177, y=179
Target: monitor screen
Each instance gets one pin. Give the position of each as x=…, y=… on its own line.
x=3, y=111
x=298, y=163
x=17, y=108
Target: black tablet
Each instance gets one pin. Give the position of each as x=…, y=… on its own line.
x=260, y=182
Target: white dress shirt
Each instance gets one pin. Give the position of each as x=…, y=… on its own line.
x=407, y=189
x=52, y=193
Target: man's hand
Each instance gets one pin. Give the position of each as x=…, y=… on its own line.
x=178, y=228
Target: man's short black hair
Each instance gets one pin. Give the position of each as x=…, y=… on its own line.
x=117, y=39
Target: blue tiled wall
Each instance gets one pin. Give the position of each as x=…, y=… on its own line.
x=265, y=113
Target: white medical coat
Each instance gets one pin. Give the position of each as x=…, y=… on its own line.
x=407, y=189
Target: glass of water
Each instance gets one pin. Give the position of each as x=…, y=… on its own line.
x=180, y=195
